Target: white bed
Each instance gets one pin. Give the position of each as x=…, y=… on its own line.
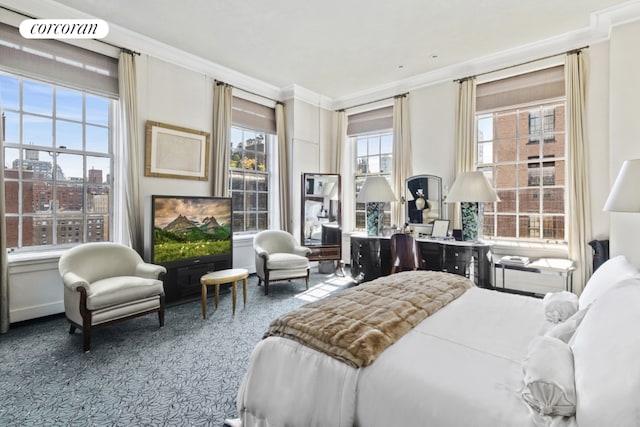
x=461, y=366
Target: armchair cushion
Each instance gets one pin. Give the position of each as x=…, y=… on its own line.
x=284, y=261
x=121, y=289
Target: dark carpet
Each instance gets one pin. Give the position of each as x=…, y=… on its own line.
x=137, y=374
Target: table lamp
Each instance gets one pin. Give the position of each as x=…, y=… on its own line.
x=375, y=192
x=624, y=196
x=472, y=189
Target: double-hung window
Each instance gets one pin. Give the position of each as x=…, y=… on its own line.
x=521, y=146
x=253, y=138
x=371, y=135
x=58, y=104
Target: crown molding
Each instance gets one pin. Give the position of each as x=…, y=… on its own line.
x=300, y=93
x=122, y=37
x=599, y=30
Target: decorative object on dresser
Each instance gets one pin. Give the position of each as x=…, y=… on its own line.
x=472, y=189
x=280, y=257
x=107, y=282
x=423, y=202
x=321, y=219
x=375, y=192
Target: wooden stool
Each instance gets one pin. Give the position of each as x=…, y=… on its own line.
x=217, y=278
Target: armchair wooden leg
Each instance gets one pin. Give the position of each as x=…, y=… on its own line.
x=72, y=329
x=161, y=311
x=266, y=282
x=86, y=337
x=307, y=279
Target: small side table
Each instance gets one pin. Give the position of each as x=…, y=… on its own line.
x=555, y=266
x=217, y=278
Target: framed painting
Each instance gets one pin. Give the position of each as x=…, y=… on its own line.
x=176, y=152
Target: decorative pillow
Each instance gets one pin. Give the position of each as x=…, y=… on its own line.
x=559, y=306
x=605, y=349
x=611, y=272
x=565, y=330
x=548, y=377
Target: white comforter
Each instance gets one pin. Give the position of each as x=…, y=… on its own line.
x=460, y=367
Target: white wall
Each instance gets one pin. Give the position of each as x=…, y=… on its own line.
x=625, y=130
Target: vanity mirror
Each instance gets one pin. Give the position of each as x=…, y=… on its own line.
x=423, y=196
x=321, y=216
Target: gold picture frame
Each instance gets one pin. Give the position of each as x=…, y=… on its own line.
x=176, y=152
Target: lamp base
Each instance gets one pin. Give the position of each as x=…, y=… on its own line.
x=472, y=220
x=375, y=219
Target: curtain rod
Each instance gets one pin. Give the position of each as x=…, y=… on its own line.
x=220, y=83
x=402, y=95
x=578, y=50
x=123, y=49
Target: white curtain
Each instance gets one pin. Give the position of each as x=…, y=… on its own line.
x=576, y=78
x=465, y=135
x=4, y=268
x=341, y=142
x=222, y=97
x=402, y=156
x=131, y=143
x=283, y=176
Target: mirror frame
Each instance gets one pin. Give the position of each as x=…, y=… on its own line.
x=432, y=180
x=333, y=211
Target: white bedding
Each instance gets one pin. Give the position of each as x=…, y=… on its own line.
x=462, y=366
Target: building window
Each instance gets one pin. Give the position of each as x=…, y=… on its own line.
x=249, y=179
x=374, y=156
x=58, y=163
x=531, y=186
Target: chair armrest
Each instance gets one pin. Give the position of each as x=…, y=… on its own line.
x=149, y=271
x=301, y=250
x=261, y=252
x=72, y=281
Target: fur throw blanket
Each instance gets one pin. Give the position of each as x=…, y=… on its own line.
x=357, y=324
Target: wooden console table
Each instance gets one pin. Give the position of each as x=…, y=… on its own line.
x=371, y=257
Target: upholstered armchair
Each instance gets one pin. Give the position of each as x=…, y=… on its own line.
x=108, y=282
x=280, y=257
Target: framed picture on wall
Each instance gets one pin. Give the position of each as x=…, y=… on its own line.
x=176, y=152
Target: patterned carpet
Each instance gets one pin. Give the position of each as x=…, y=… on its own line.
x=136, y=374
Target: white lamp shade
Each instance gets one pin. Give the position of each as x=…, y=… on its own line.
x=624, y=195
x=375, y=189
x=472, y=187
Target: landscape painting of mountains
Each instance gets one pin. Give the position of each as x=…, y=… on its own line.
x=190, y=227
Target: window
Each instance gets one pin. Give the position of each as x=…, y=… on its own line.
x=371, y=135
x=529, y=177
x=374, y=156
x=58, y=163
x=249, y=179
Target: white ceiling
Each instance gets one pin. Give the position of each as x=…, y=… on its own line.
x=340, y=48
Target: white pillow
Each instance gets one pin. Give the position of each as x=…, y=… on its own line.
x=606, y=349
x=565, y=330
x=559, y=306
x=549, y=378
x=611, y=272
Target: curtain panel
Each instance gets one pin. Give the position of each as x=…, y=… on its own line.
x=576, y=80
x=283, y=178
x=465, y=135
x=4, y=267
x=222, y=97
x=130, y=140
x=402, y=156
